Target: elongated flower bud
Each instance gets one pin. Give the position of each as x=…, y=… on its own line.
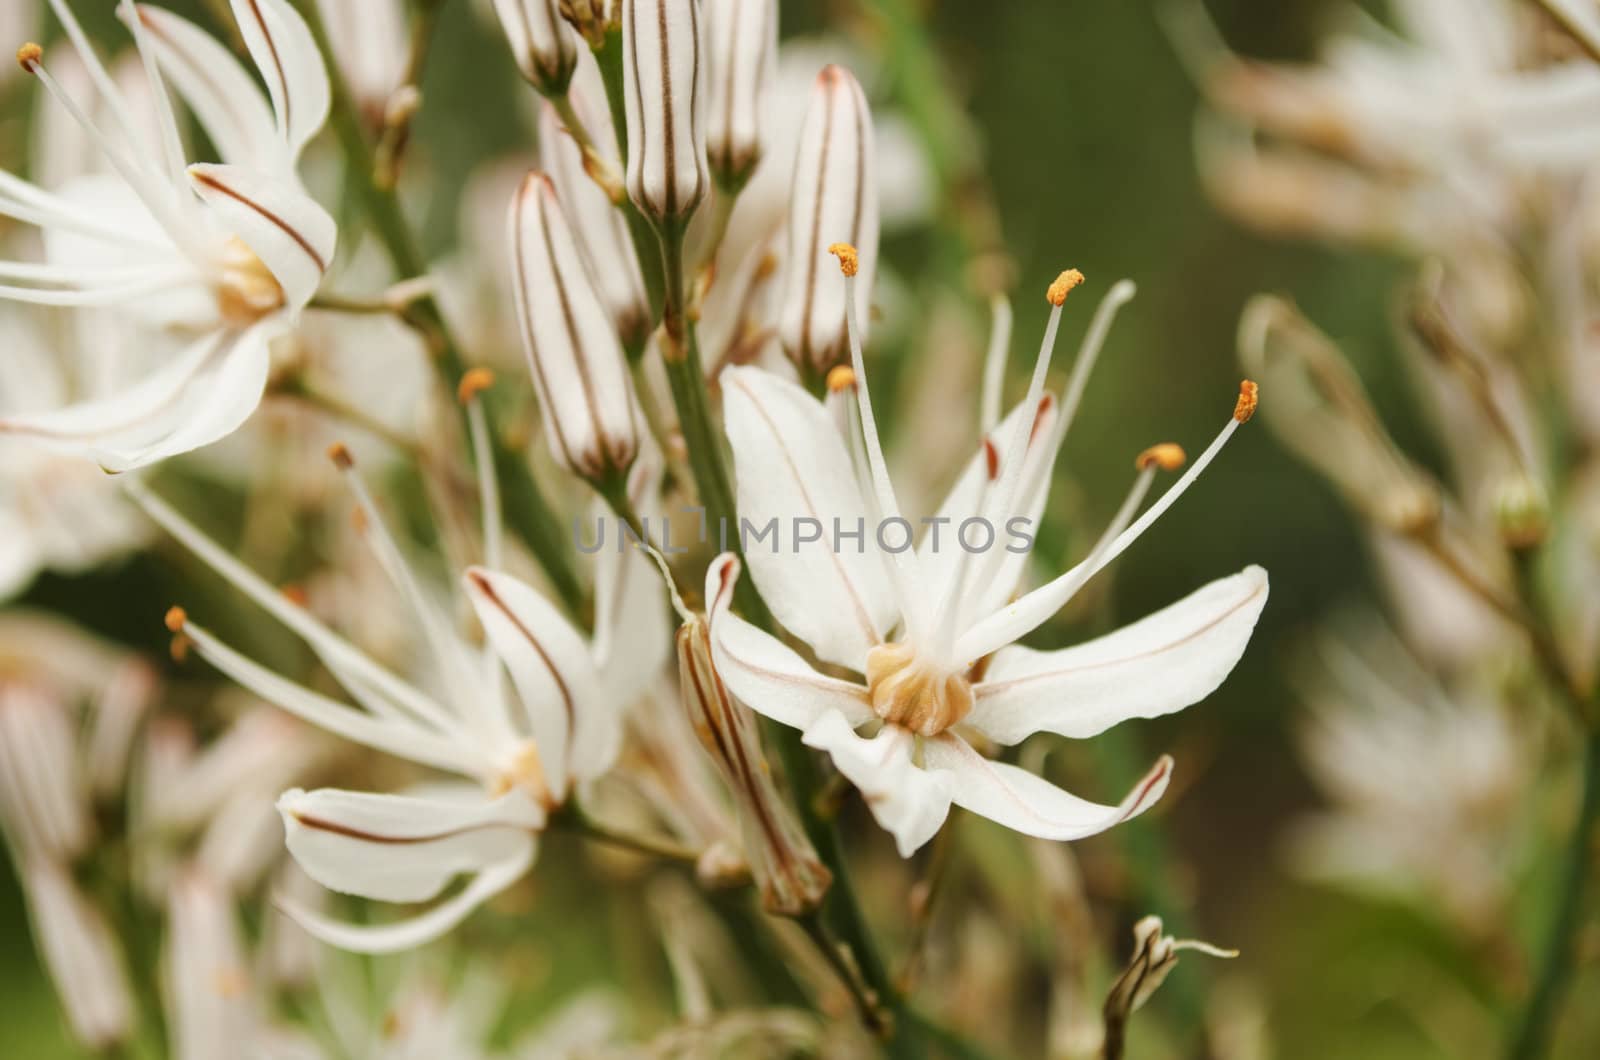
x=1155, y=954
x=741, y=49
x=370, y=47
x=835, y=201
x=785, y=865
x=664, y=90
x=81, y=954
x=545, y=47
x=606, y=244
x=43, y=794
x=573, y=352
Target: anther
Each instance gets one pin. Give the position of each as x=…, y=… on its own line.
x=1057, y=293
x=849, y=260
x=1168, y=456
x=339, y=453
x=29, y=55
x=473, y=383
x=991, y=457
x=176, y=619
x=841, y=377
x=296, y=594
x=1249, y=396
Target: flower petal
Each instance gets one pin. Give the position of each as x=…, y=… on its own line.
x=408, y=934
x=284, y=51
x=792, y=465
x=1160, y=664
x=294, y=237
x=223, y=95
x=910, y=803
x=1032, y=805
x=401, y=848
x=575, y=730
x=763, y=672
x=200, y=395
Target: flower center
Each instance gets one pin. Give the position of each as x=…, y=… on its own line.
x=248, y=290
x=906, y=691
x=525, y=771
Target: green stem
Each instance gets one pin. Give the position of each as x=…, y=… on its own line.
x=1531, y=1036
x=526, y=509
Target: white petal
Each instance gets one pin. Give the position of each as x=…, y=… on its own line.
x=286, y=54
x=408, y=934
x=1029, y=804
x=1158, y=665
x=294, y=237
x=763, y=672
x=203, y=393
x=910, y=803
x=791, y=465
x=400, y=848
x=222, y=94
x=576, y=732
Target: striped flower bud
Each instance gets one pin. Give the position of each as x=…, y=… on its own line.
x=782, y=860
x=44, y=798
x=663, y=86
x=573, y=351
x=741, y=58
x=545, y=47
x=81, y=955
x=834, y=201
x=606, y=243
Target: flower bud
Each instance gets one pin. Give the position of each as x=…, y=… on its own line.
x=1321, y=412
x=1154, y=956
x=664, y=94
x=81, y=955
x=834, y=200
x=545, y=47
x=785, y=865
x=43, y=795
x=370, y=47
x=741, y=58
x=590, y=413
x=606, y=244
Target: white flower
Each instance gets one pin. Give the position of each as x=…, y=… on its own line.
x=225, y=255
x=661, y=64
x=521, y=756
x=916, y=623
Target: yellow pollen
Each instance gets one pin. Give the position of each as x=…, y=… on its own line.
x=841, y=377
x=473, y=383
x=248, y=290
x=526, y=771
x=29, y=54
x=339, y=453
x=1249, y=396
x=849, y=260
x=295, y=594
x=176, y=619
x=1168, y=456
x=180, y=648
x=1057, y=293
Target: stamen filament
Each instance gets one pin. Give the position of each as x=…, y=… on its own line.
x=994, y=363
x=166, y=118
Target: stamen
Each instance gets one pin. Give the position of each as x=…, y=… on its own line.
x=29, y=54
x=1249, y=397
x=1168, y=456
x=473, y=383
x=840, y=377
x=994, y=363
x=175, y=619
x=1063, y=284
x=165, y=116
x=902, y=574
x=1105, y=314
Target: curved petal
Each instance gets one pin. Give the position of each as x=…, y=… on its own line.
x=1160, y=664
x=763, y=672
x=202, y=394
x=910, y=803
x=294, y=237
x=286, y=54
x=1032, y=805
x=408, y=934
x=575, y=730
x=222, y=94
x=401, y=848
x=792, y=466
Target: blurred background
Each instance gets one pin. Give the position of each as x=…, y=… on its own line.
x=1083, y=120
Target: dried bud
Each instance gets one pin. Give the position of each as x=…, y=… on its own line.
x=785, y=865
x=81, y=954
x=741, y=59
x=545, y=47
x=593, y=19
x=590, y=413
x=606, y=244
x=1321, y=412
x=834, y=200
x=1154, y=955
x=664, y=93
